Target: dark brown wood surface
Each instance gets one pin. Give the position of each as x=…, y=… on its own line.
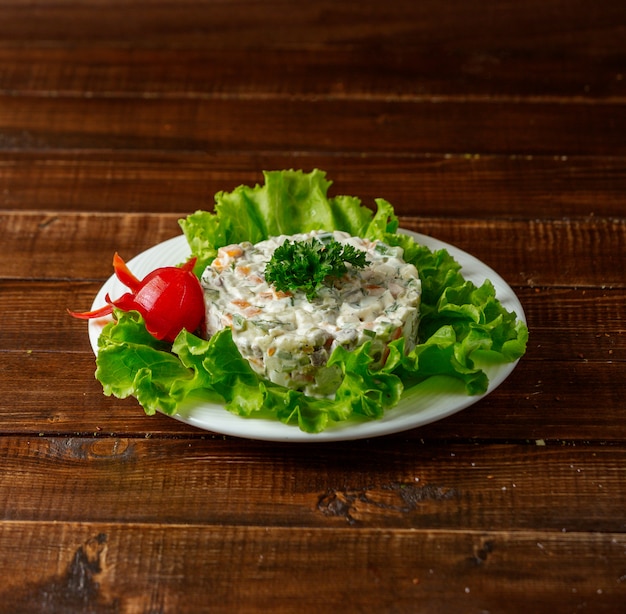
x=497, y=126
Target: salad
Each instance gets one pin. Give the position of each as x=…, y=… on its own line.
x=461, y=325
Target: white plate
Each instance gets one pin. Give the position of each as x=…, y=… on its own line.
x=420, y=405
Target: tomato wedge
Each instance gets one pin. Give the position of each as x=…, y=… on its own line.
x=170, y=299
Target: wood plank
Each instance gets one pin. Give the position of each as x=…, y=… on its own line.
x=163, y=568
x=570, y=253
x=575, y=324
x=31, y=239
x=540, y=400
x=525, y=30
x=30, y=307
x=311, y=125
x=484, y=63
x=429, y=185
x=537, y=253
x=363, y=484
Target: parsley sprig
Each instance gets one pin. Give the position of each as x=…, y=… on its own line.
x=307, y=265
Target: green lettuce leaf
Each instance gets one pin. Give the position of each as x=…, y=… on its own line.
x=365, y=391
x=132, y=362
x=462, y=326
x=288, y=203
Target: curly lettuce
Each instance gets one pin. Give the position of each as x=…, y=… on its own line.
x=459, y=321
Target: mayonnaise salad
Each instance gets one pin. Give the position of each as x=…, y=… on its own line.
x=288, y=338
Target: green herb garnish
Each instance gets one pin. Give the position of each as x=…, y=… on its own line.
x=307, y=265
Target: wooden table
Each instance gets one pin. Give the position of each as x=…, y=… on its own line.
x=497, y=127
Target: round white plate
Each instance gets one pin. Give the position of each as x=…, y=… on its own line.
x=419, y=405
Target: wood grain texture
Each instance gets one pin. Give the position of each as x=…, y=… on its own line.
x=516, y=186
x=354, y=48
x=154, y=568
x=495, y=126
x=305, y=126
x=214, y=481
x=425, y=69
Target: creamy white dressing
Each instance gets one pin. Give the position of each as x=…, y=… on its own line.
x=287, y=338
